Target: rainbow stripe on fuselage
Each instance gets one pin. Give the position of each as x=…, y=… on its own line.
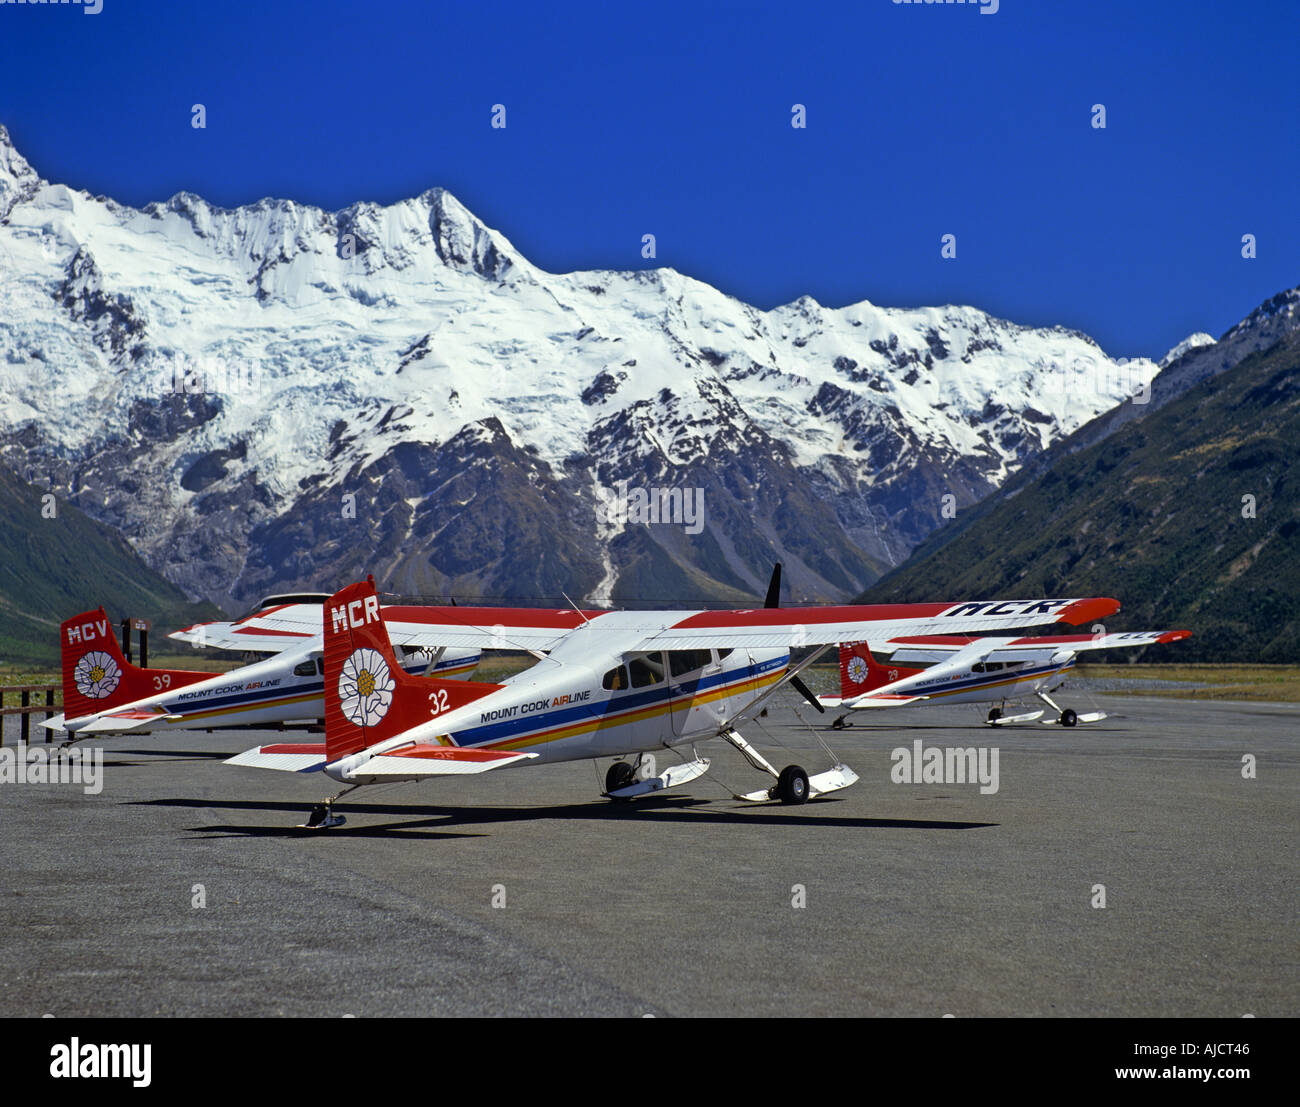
x=611, y=723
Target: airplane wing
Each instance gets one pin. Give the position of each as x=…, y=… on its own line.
x=543, y=629
x=935, y=648
x=503, y=628
x=539, y=629
x=271, y=630
x=785, y=627
x=1030, y=649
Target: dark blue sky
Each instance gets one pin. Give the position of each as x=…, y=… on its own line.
x=675, y=120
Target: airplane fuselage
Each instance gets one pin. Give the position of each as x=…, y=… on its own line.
x=977, y=682
x=285, y=687
x=571, y=707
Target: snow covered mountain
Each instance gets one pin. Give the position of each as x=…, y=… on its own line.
x=277, y=396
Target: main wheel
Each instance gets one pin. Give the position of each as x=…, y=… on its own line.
x=792, y=785
x=1069, y=717
x=995, y=713
x=620, y=775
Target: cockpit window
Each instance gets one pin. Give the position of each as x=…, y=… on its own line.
x=305, y=668
x=647, y=670
x=681, y=662
x=615, y=680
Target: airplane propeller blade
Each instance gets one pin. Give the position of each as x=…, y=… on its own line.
x=806, y=692
x=774, y=600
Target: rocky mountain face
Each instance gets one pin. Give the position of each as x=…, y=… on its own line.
x=278, y=397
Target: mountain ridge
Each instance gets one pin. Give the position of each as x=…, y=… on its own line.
x=826, y=438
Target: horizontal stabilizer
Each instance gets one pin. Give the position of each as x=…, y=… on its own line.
x=420, y=760
x=287, y=757
x=122, y=722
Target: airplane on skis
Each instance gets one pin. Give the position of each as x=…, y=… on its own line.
x=962, y=669
x=104, y=694
x=606, y=684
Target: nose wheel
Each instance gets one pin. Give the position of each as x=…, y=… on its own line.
x=619, y=775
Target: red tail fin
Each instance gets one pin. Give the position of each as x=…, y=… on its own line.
x=368, y=696
x=861, y=673
x=97, y=677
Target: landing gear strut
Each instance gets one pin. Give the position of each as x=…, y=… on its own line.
x=793, y=785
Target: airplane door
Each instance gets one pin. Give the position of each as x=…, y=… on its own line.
x=696, y=690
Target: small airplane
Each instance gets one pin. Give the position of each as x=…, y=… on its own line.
x=974, y=670
x=606, y=684
x=104, y=694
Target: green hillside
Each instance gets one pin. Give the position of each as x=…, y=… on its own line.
x=1155, y=515
x=51, y=568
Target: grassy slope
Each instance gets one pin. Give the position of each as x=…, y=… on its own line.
x=53, y=568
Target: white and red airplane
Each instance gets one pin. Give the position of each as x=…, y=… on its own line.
x=962, y=669
x=606, y=684
x=104, y=694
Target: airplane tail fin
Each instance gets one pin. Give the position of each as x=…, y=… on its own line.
x=861, y=673
x=97, y=677
x=368, y=696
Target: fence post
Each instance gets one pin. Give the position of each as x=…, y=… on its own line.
x=49, y=713
x=126, y=640
x=25, y=726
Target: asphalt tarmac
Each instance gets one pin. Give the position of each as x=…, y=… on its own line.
x=523, y=892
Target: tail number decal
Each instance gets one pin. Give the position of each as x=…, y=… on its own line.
x=438, y=701
x=87, y=632
x=355, y=614
x=164, y=680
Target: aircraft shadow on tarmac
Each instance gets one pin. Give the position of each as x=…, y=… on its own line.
x=161, y=757
x=436, y=821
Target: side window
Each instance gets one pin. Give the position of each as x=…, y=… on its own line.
x=615, y=680
x=320, y=666
x=647, y=670
x=681, y=662
x=724, y=654
x=305, y=668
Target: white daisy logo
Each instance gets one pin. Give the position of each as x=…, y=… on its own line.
x=96, y=675
x=857, y=670
x=365, y=687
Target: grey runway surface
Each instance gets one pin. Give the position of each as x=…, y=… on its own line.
x=921, y=899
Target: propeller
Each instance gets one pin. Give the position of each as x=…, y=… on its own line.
x=774, y=600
